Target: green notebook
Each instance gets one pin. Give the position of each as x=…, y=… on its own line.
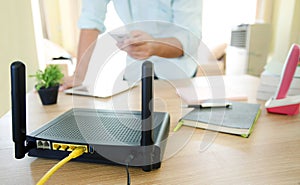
x=238, y=118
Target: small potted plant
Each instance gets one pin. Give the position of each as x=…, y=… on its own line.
x=48, y=82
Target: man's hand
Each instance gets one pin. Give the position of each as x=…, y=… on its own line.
x=69, y=82
x=141, y=45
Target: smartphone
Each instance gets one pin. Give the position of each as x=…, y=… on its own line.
x=119, y=37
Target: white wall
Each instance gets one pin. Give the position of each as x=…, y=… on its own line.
x=17, y=43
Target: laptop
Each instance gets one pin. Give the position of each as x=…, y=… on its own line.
x=104, y=77
x=100, y=90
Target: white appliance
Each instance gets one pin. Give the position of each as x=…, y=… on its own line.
x=248, y=50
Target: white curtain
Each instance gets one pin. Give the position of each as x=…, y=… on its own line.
x=264, y=11
x=59, y=20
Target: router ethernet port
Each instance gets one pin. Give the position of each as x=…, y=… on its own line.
x=47, y=145
x=40, y=144
x=68, y=147
x=55, y=146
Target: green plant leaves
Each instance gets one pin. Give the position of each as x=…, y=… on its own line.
x=50, y=77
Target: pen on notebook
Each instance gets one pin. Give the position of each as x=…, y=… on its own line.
x=209, y=105
x=178, y=126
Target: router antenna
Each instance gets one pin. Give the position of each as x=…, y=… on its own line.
x=147, y=113
x=18, y=99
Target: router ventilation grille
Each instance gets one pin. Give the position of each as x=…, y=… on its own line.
x=92, y=127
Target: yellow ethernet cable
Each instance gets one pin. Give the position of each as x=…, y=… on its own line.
x=74, y=154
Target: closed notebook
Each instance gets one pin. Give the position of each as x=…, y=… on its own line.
x=238, y=118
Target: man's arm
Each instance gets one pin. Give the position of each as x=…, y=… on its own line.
x=85, y=49
x=168, y=47
x=141, y=45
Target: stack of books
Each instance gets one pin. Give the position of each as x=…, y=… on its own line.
x=269, y=83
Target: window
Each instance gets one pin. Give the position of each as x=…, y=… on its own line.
x=219, y=16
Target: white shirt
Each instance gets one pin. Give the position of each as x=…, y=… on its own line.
x=161, y=18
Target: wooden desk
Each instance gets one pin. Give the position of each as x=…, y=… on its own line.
x=271, y=155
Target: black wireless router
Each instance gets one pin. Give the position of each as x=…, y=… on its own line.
x=131, y=138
